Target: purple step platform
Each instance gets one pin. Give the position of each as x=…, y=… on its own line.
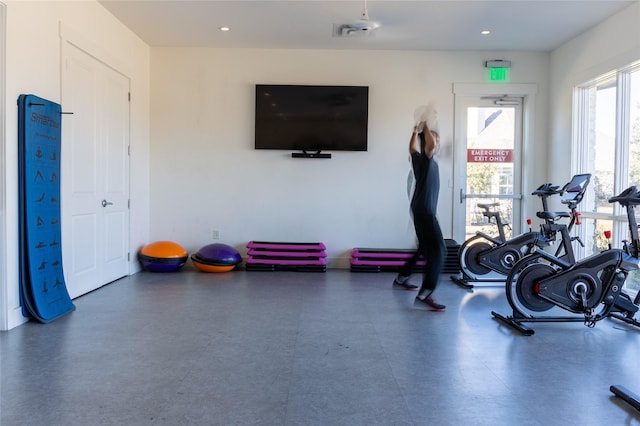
x=286, y=256
x=317, y=262
x=396, y=254
x=396, y=263
x=285, y=246
x=296, y=268
x=381, y=259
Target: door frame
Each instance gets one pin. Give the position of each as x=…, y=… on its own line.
x=470, y=90
x=5, y=293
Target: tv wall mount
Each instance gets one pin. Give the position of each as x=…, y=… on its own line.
x=310, y=154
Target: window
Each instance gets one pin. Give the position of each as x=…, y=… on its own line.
x=606, y=143
x=634, y=129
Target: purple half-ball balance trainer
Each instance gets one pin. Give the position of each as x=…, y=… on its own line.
x=216, y=258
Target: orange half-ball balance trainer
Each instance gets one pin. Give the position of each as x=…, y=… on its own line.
x=163, y=256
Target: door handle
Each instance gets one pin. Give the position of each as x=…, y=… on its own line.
x=499, y=196
x=106, y=203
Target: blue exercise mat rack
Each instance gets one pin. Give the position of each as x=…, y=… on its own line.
x=43, y=292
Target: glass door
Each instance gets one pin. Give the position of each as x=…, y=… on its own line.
x=487, y=162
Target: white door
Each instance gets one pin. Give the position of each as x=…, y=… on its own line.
x=488, y=145
x=95, y=172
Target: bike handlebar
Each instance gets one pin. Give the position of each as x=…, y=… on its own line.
x=630, y=196
x=547, y=189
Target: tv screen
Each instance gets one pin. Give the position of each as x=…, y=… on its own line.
x=311, y=118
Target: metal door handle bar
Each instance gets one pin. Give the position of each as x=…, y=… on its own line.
x=106, y=203
x=500, y=196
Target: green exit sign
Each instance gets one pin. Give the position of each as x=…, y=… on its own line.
x=498, y=74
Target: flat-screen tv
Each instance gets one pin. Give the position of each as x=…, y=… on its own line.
x=311, y=118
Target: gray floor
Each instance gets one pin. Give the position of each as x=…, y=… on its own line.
x=288, y=348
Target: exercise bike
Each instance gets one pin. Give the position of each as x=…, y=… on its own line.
x=572, y=194
x=486, y=258
x=591, y=289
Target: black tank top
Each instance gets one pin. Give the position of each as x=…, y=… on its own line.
x=427, y=174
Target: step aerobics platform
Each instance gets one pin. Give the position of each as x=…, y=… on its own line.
x=390, y=260
x=286, y=256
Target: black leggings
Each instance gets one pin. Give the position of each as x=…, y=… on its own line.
x=432, y=247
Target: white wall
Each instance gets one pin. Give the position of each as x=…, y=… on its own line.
x=198, y=134
x=33, y=67
x=205, y=174
x=612, y=44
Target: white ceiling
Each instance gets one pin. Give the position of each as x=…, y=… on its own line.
x=530, y=25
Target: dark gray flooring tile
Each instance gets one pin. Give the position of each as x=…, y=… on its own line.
x=287, y=348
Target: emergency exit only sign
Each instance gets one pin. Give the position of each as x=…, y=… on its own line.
x=477, y=155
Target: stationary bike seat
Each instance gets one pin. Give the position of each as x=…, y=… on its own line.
x=552, y=215
x=487, y=205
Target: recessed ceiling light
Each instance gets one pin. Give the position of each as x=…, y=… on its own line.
x=485, y=32
x=223, y=29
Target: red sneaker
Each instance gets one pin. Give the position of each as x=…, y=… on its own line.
x=429, y=301
x=406, y=285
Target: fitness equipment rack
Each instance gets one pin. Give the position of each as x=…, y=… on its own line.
x=286, y=256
